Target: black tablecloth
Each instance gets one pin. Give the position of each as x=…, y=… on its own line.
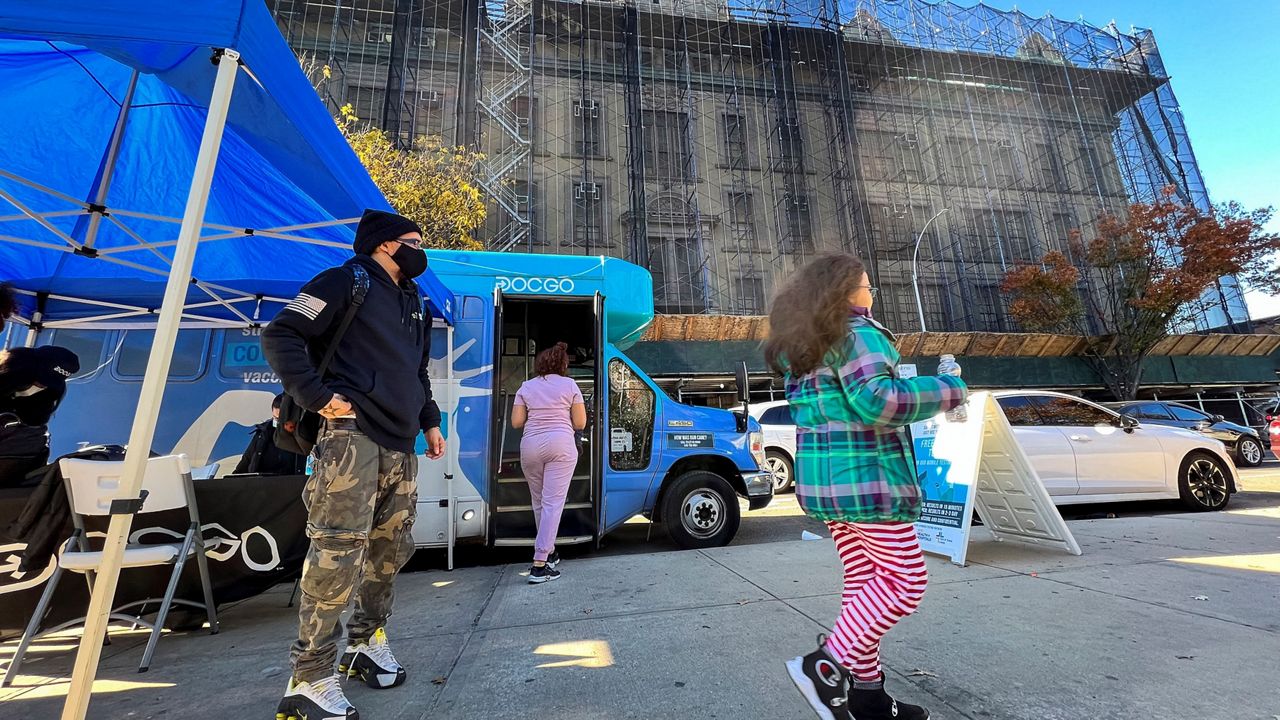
x=254, y=529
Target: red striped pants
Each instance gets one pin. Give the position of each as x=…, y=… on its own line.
x=884, y=581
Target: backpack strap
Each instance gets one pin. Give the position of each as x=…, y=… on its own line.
x=359, y=289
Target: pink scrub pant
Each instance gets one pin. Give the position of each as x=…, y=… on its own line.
x=548, y=461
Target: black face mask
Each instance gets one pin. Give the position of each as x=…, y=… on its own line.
x=411, y=261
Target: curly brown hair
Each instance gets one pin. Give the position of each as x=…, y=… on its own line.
x=552, y=361
x=8, y=303
x=810, y=314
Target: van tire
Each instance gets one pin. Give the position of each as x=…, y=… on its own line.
x=700, y=510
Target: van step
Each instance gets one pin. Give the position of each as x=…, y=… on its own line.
x=529, y=508
x=521, y=481
x=528, y=542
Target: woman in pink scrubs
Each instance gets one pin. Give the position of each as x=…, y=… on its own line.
x=549, y=407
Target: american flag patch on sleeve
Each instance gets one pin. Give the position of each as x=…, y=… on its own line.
x=309, y=306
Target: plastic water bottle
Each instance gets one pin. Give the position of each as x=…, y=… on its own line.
x=949, y=366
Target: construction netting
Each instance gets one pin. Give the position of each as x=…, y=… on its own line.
x=721, y=144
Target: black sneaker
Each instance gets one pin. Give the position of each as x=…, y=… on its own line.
x=823, y=682
x=373, y=663
x=541, y=573
x=321, y=700
x=553, y=560
x=869, y=701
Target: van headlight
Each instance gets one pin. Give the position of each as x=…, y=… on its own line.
x=757, y=448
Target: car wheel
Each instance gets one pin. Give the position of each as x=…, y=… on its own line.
x=780, y=468
x=1249, y=452
x=700, y=510
x=1203, y=484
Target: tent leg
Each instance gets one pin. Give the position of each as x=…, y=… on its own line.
x=144, y=422
x=449, y=447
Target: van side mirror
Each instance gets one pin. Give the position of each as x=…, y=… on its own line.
x=743, y=385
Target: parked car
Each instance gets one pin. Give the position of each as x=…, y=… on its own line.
x=1086, y=453
x=779, y=441
x=1272, y=417
x=1244, y=443
x=1083, y=452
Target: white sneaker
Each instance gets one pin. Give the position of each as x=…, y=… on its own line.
x=373, y=663
x=321, y=700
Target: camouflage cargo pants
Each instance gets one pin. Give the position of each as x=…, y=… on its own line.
x=360, y=501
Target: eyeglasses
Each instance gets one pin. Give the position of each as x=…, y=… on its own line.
x=873, y=290
x=411, y=243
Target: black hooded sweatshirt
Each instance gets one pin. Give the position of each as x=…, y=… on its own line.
x=381, y=361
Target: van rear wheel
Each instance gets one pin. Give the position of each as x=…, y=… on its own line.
x=700, y=510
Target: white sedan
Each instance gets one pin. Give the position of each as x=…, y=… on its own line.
x=779, y=441
x=1083, y=452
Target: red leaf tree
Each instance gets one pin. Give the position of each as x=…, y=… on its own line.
x=1141, y=275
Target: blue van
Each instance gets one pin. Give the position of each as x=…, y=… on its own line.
x=642, y=453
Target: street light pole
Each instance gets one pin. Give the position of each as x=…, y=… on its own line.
x=915, y=266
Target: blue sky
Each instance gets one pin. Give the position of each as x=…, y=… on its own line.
x=1224, y=60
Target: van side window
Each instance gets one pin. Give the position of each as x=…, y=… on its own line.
x=188, y=354
x=242, y=358
x=631, y=411
x=86, y=344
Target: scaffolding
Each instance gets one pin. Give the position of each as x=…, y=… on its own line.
x=720, y=144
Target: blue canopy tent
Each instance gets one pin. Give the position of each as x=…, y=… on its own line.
x=103, y=114
x=134, y=132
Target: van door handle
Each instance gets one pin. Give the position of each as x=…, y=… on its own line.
x=1082, y=438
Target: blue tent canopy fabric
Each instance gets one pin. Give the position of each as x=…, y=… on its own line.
x=285, y=184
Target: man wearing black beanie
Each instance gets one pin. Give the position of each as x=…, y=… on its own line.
x=375, y=397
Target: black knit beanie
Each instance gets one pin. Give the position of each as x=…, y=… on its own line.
x=377, y=227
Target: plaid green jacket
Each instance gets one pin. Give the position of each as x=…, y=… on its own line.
x=854, y=461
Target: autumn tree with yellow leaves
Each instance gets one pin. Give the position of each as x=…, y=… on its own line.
x=432, y=183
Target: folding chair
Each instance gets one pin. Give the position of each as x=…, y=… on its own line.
x=91, y=486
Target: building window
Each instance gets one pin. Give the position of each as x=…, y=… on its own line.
x=1099, y=167
x=902, y=312
x=1019, y=241
x=529, y=201
x=429, y=113
x=586, y=128
x=908, y=146
x=799, y=224
x=790, y=141
x=677, y=268
x=989, y=314
x=1049, y=167
x=1060, y=227
x=895, y=229
x=748, y=295
x=963, y=162
x=734, y=132
x=740, y=219
x=368, y=104
x=875, y=148
x=668, y=154
x=587, y=208
x=1004, y=164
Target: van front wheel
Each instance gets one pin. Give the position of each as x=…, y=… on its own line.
x=700, y=510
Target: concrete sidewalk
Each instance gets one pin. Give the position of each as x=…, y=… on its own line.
x=1162, y=617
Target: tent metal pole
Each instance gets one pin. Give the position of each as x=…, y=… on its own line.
x=451, y=444
x=37, y=318
x=144, y=421
x=109, y=168
x=32, y=332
